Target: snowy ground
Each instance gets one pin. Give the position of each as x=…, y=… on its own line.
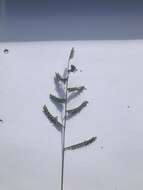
x=29, y=145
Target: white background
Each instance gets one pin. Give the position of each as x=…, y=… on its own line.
x=30, y=146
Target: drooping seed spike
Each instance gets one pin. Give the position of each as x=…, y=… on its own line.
x=76, y=110
x=57, y=99
x=82, y=144
x=52, y=119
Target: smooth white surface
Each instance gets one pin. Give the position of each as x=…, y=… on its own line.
x=31, y=147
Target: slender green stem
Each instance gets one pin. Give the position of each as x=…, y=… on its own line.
x=64, y=127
